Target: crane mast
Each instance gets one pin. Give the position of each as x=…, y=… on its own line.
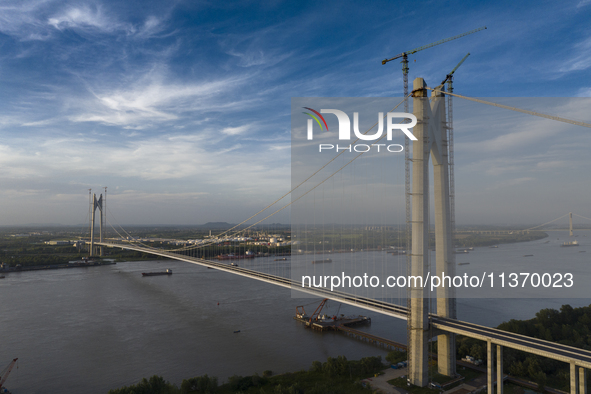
x=450, y=150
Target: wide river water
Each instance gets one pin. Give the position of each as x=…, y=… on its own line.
x=87, y=330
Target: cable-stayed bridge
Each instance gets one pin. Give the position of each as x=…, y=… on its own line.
x=496, y=339
x=433, y=139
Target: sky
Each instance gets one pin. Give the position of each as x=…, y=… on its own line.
x=182, y=108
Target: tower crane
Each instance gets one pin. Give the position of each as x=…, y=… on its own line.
x=450, y=144
x=449, y=77
x=404, y=56
x=4, y=374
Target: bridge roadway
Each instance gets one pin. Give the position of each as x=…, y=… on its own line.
x=382, y=307
x=556, y=351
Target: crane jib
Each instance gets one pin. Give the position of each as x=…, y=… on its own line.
x=432, y=44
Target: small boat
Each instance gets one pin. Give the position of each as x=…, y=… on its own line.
x=236, y=332
x=582, y=251
x=234, y=265
x=322, y=261
x=283, y=259
x=546, y=242
x=2, y=276
x=167, y=272
x=572, y=243
x=527, y=255
x=494, y=246
x=463, y=263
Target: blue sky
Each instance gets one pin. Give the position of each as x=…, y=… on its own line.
x=183, y=108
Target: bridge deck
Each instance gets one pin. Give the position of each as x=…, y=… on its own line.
x=556, y=351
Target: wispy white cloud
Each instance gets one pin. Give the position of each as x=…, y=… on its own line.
x=39, y=20
x=263, y=47
x=151, y=100
x=85, y=17
x=510, y=182
x=582, y=58
x=546, y=165
x=235, y=130
x=21, y=19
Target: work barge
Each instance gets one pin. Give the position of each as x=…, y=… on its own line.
x=343, y=324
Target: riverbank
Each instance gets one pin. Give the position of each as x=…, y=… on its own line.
x=74, y=264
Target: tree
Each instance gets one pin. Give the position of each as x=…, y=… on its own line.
x=154, y=385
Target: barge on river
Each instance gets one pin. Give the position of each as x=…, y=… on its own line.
x=167, y=272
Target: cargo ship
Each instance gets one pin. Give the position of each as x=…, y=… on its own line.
x=572, y=243
x=235, y=256
x=322, y=261
x=167, y=272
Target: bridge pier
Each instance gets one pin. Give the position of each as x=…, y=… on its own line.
x=499, y=369
x=573, y=378
x=578, y=379
x=490, y=367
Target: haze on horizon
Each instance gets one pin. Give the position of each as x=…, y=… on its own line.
x=183, y=110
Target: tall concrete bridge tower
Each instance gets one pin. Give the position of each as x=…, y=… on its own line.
x=95, y=204
x=432, y=140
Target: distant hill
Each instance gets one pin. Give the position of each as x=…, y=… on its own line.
x=216, y=225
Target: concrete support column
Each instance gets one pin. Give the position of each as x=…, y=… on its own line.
x=418, y=320
x=573, y=378
x=446, y=305
x=582, y=380
x=499, y=369
x=490, y=367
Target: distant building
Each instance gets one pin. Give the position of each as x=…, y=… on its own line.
x=62, y=242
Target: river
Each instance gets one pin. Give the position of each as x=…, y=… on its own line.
x=87, y=330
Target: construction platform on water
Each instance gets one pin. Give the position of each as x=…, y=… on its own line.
x=324, y=322
x=343, y=323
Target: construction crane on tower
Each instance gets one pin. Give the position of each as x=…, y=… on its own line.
x=4, y=374
x=404, y=56
x=449, y=77
x=450, y=146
